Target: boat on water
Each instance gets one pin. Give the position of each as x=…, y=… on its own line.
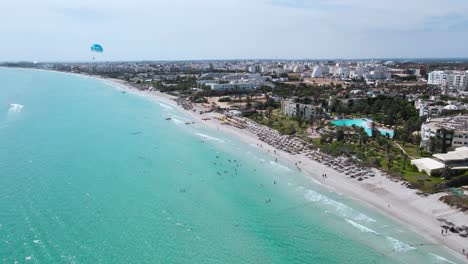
x=168, y=118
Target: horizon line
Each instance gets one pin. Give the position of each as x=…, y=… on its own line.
x=243, y=59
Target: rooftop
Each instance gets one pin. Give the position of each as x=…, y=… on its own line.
x=428, y=164
x=451, y=123
x=458, y=154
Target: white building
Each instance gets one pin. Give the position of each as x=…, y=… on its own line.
x=457, y=125
x=456, y=160
x=342, y=72
x=436, y=78
x=319, y=71
x=449, y=79
x=233, y=86
x=291, y=108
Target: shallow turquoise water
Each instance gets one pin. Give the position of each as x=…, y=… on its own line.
x=364, y=123
x=92, y=175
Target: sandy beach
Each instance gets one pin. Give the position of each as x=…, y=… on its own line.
x=388, y=196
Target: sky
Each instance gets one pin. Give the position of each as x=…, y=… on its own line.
x=64, y=30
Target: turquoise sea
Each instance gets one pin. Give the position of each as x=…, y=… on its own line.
x=89, y=174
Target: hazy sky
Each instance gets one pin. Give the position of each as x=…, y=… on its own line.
x=229, y=29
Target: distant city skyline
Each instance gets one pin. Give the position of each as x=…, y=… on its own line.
x=52, y=30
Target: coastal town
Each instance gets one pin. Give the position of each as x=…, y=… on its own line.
x=256, y=131
x=402, y=121
x=407, y=118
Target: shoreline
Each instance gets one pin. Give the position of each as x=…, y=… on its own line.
x=387, y=196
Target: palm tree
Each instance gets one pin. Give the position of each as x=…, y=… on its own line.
x=269, y=111
x=373, y=129
x=362, y=136
x=405, y=159
x=311, y=120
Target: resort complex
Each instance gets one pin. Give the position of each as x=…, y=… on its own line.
x=382, y=114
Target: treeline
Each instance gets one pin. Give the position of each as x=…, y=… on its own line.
x=179, y=84
x=387, y=110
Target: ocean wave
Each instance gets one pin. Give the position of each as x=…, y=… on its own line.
x=208, y=137
x=168, y=107
x=361, y=227
x=342, y=209
x=399, y=246
x=277, y=165
x=177, y=121
x=316, y=182
x=15, y=108
x=439, y=259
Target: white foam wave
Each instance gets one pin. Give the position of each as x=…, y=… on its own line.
x=361, y=227
x=316, y=182
x=15, y=108
x=168, y=107
x=399, y=246
x=277, y=165
x=342, y=209
x=209, y=137
x=36, y=241
x=439, y=259
x=177, y=121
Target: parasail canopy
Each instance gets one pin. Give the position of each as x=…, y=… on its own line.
x=97, y=48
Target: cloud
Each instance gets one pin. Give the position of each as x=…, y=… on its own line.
x=205, y=29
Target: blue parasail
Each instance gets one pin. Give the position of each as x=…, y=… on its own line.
x=97, y=48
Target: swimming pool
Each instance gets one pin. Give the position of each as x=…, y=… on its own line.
x=364, y=123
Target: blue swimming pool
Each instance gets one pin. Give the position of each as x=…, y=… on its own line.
x=364, y=123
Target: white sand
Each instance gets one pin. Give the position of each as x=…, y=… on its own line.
x=390, y=197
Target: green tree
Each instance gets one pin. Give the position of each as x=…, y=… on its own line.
x=405, y=159
x=362, y=136
x=292, y=130
x=269, y=111
x=340, y=134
